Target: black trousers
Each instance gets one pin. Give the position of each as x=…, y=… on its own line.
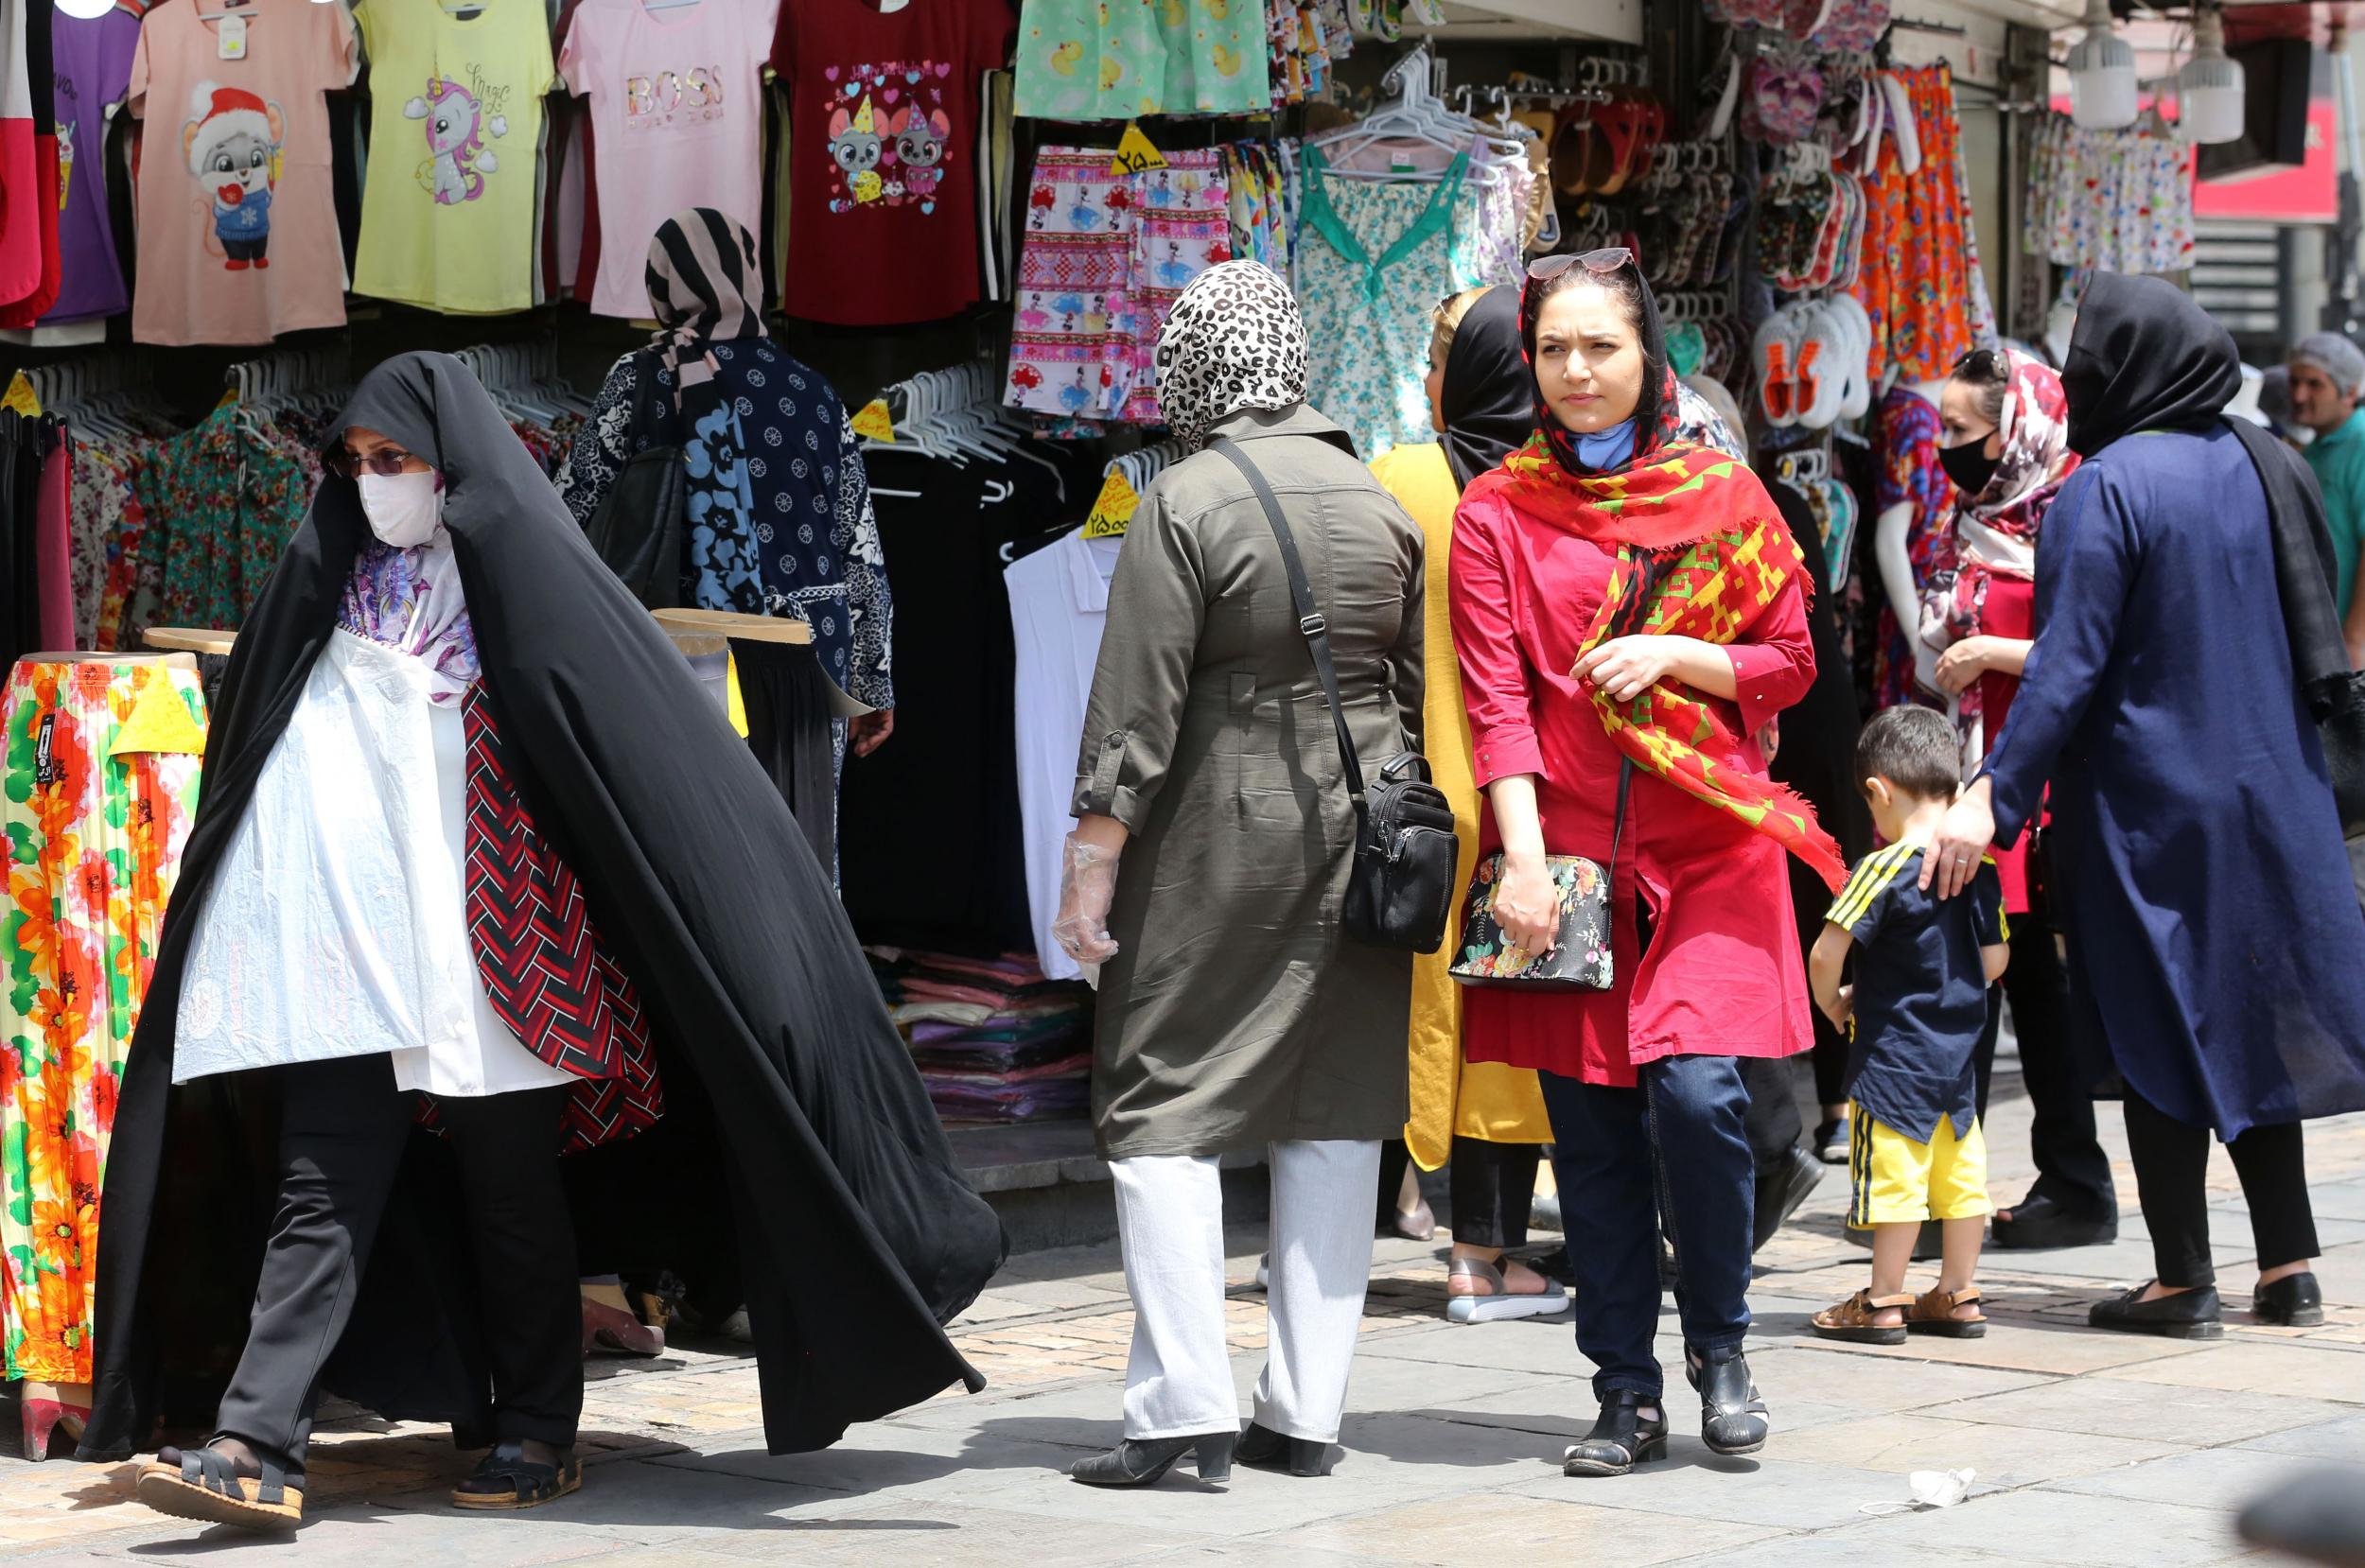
x=2171, y=1170
x=342, y=1127
x=1772, y=1121
x=1494, y=1190
x=2071, y=1170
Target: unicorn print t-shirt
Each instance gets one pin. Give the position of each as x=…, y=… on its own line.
x=456, y=114
x=882, y=139
x=237, y=218
x=93, y=57
x=678, y=116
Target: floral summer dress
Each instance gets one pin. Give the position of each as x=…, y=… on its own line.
x=1373, y=259
x=101, y=781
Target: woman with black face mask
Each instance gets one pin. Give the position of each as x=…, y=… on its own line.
x=2004, y=422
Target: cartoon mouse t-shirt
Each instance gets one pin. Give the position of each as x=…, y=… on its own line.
x=456, y=114
x=676, y=118
x=237, y=219
x=882, y=141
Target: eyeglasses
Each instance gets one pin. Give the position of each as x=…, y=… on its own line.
x=1602, y=262
x=348, y=464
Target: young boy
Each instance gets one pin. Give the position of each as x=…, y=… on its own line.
x=1918, y=1004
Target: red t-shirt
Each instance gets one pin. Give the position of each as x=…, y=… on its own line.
x=883, y=117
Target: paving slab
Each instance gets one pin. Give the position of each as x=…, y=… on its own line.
x=2093, y=1449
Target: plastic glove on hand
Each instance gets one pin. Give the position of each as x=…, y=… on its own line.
x=1087, y=884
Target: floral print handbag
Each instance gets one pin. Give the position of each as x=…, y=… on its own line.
x=1580, y=955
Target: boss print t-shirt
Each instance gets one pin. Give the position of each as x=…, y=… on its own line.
x=237, y=217
x=456, y=112
x=677, y=115
x=882, y=126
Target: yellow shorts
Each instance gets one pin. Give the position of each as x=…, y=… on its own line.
x=1894, y=1180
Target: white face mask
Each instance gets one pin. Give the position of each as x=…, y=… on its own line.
x=403, y=509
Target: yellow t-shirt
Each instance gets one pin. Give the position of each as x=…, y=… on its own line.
x=447, y=215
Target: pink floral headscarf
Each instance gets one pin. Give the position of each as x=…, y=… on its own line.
x=1995, y=532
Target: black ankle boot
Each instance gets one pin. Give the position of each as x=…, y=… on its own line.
x=2295, y=1300
x=1621, y=1439
x=1262, y=1447
x=1140, y=1462
x=1732, y=1416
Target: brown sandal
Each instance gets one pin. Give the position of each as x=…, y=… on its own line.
x=203, y=1484
x=1932, y=1311
x=1852, y=1319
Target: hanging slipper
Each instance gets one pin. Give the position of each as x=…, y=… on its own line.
x=203, y=1484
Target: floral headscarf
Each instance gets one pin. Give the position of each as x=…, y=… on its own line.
x=1995, y=532
x=1235, y=341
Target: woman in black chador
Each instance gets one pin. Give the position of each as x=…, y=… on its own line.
x=480, y=875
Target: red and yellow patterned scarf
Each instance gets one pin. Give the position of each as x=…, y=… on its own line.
x=1700, y=552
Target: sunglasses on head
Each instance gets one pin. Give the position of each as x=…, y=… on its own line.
x=348, y=464
x=1606, y=260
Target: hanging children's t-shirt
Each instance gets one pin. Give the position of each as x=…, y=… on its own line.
x=447, y=215
x=94, y=72
x=238, y=215
x=884, y=121
x=678, y=112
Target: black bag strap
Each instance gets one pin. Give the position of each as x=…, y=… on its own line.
x=1618, y=825
x=1310, y=623
x=644, y=390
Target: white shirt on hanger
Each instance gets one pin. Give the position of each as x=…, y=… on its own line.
x=1058, y=605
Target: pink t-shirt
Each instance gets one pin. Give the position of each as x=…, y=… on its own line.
x=677, y=115
x=237, y=217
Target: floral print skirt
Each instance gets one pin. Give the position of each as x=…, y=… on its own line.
x=101, y=781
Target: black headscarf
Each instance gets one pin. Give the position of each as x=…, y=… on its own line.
x=2144, y=357
x=856, y=1232
x=1489, y=397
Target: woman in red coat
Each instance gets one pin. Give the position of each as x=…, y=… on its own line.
x=1623, y=597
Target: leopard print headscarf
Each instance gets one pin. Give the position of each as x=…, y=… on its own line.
x=1235, y=341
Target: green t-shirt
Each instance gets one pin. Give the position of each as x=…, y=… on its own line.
x=2338, y=459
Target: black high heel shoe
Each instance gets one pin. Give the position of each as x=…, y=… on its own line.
x=1262, y=1447
x=1732, y=1416
x=1140, y=1462
x=1621, y=1439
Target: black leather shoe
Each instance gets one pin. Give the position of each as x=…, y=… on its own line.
x=1732, y=1416
x=2041, y=1221
x=2295, y=1300
x=1133, y=1463
x=1262, y=1447
x=1621, y=1439
x=2187, y=1315
x=1781, y=1189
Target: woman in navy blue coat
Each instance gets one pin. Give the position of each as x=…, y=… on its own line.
x=2213, y=927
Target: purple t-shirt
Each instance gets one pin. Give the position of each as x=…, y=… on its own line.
x=93, y=59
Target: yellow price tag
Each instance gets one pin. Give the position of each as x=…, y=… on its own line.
x=20, y=396
x=874, y=422
x=1112, y=509
x=1134, y=153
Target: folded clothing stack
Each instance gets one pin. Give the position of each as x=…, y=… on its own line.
x=994, y=1041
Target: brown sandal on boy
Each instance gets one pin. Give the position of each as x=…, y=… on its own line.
x=1854, y=1319
x=1932, y=1311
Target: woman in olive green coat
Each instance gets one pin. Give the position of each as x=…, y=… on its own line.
x=1236, y=1013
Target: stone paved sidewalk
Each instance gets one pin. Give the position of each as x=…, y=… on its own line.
x=2091, y=1449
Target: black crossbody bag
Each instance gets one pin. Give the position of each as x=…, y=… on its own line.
x=1400, y=892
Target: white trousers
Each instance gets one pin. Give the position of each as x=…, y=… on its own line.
x=1170, y=1223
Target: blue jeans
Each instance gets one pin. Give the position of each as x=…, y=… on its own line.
x=1616, y=1190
